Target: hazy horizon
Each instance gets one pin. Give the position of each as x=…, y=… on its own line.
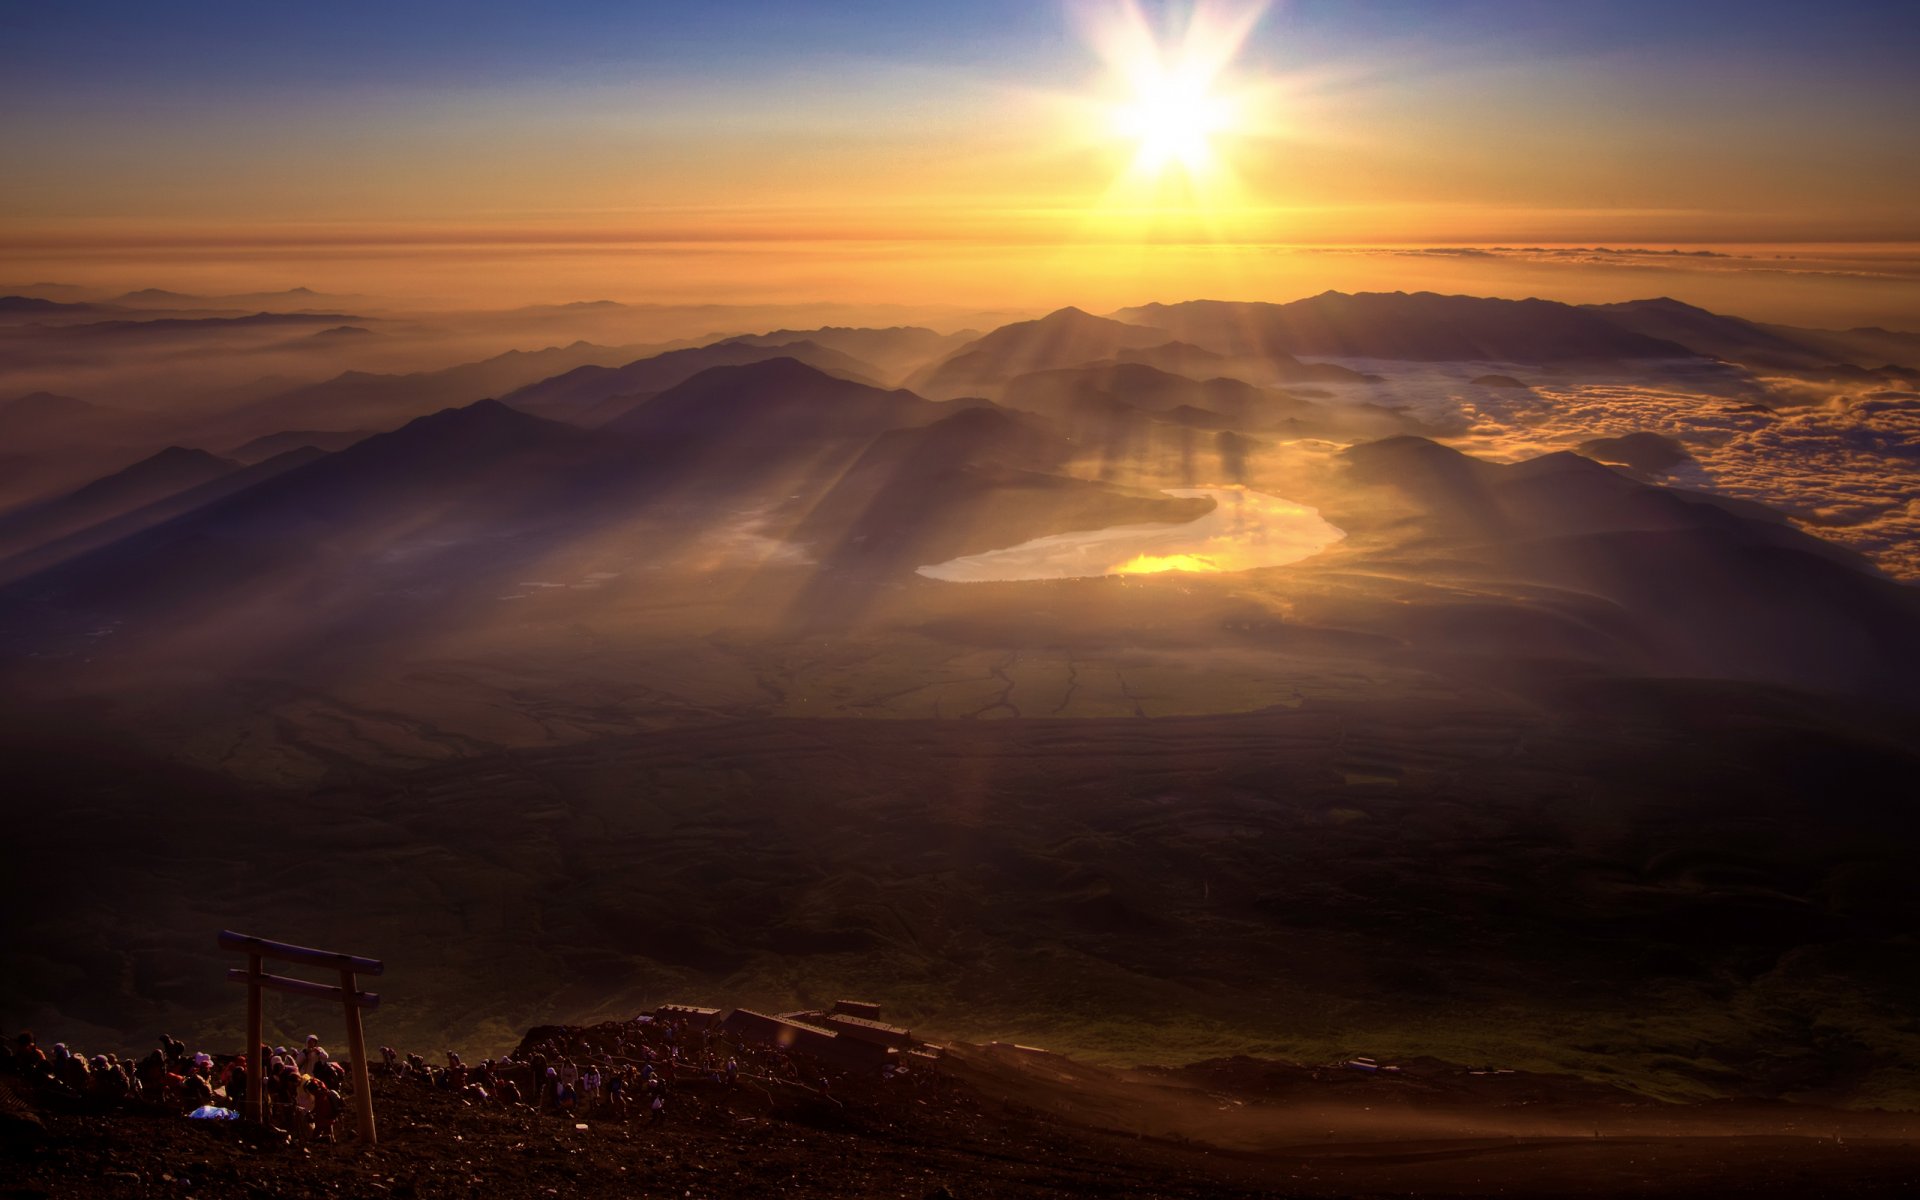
x=1303, y=597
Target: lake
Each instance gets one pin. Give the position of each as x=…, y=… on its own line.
x=1246, y=529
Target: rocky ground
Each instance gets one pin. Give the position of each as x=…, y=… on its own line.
x=1001, y=1122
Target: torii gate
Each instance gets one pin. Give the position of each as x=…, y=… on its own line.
x=346, y=993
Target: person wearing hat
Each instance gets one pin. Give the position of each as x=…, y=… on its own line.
x=313, y=1055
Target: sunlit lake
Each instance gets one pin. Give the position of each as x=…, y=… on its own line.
x=1246, y=529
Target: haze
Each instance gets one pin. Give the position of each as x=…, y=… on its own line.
x=1245, y=545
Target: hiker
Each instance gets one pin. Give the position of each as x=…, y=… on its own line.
x=235, y=1082
x=196, y=1087
x=109, y=1083
x=313, y=1055
x=29, y=1058
x=70, y=1069
x=303, y=1098
x=326, y=1108
x=286, y=1085
x=733, y=1072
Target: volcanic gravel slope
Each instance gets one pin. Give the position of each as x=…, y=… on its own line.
x=989, y=1126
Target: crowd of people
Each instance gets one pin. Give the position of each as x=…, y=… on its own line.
x=612, y=1071
x=618, y=1070
x=305, y=1089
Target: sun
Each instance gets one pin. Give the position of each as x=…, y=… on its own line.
x=1173, y=93
x=1173, y=116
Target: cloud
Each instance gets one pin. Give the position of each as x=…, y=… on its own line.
x=1844, y=466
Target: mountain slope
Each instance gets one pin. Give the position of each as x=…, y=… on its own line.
x=44, y=554
x=363, y=400
x=407, y=509
x=1420, y=326
x=978, y=480
x=1067, y=338
x=895, y=352
x=1697, y=585
x=773, y=401
x=173, y=470
x=593, y=395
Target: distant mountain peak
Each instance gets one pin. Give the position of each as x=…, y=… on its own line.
x=39, y=403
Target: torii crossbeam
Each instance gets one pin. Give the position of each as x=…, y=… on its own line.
x=347, y=993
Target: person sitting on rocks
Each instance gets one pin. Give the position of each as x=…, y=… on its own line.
x=196, y=1086
x=70, y=1070
x=109, y=1085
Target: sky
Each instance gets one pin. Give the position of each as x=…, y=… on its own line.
x=912, y=150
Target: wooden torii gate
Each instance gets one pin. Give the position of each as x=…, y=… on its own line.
x=346, y=993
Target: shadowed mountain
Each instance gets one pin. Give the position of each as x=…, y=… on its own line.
x=1866, y=346
x=893, y=353
x=445, y=509
x=1092, y=401
x=187, y=327
x=1698, y=584
x=1711, y=334
x=776, y=423
x=36, y=306
x=340, y=333
x=1647, y=453
x=978, y=480
x=595, y=395
x=173, y=470
x=1067, y=338
x=1421, y=327
x=295, y=298
x=49, y=553
x=1178, y=358
x=361, y=400
x=274, y=444
x=51, y=443
x=446, y=500
x=1080, y=390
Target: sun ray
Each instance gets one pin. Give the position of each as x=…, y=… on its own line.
x=1174, y=103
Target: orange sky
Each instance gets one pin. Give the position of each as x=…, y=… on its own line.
x=964, y=158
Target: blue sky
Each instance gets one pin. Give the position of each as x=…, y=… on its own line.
x=87, y=44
